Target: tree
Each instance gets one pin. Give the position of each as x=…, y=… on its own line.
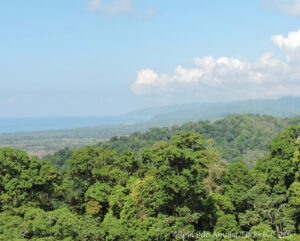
x=282, y=166
x=25, y=181
x=269, y=208
x=237, y=181
x=226, y=224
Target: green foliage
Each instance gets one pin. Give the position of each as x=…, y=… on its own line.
x=226, y=224
x=283, y=167
x=174, y=189
x=37, y=224
x=25, y=180
x=262, y=231
x=237, y=137
x=237, y=181
x=59, y=158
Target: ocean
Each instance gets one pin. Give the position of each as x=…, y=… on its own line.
x=14, y=125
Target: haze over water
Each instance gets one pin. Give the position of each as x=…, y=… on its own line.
x=13, y=125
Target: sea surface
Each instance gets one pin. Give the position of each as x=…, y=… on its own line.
x=14, y=125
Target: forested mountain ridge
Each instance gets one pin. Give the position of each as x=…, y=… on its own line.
x=41, y=143
x=237, y=137
x=177, y=189
x=178, y=114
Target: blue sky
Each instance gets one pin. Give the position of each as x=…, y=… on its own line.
x=108, y=57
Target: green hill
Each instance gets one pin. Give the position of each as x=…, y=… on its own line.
x=45, y=142
x=177, y=189
x=237, y=137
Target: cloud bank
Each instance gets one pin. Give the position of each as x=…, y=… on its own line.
x=291, y=7
x=230, y=78
x=115, y=7
x=110, y=7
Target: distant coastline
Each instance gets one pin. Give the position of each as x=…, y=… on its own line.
x=16, y=125
x=158, y=116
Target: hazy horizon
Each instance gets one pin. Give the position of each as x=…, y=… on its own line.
x=110, y=57
x=124, y=113
x=168, y=115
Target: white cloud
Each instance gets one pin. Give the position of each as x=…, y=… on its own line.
x=145, y=77
x=187, y=75
x=114, y=7
x=210, y=72
x=227, y=77
x=291, y=7
x=291, y=42
x=110, y=7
